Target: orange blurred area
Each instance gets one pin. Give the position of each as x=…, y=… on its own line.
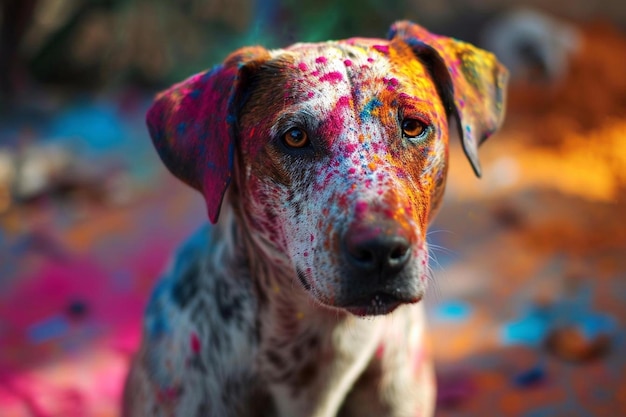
x=541, y=240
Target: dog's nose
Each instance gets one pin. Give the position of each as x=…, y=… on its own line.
x=377, y=249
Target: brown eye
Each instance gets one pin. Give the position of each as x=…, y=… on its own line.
x=412, y=128
x=296, y=138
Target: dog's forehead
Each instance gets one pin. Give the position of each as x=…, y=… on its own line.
x=357, y=53
x=339, y=65
x=358, y=70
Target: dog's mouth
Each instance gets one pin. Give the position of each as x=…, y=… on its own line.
x=378, y=304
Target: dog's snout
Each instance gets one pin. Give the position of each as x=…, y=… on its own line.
x=376, y=250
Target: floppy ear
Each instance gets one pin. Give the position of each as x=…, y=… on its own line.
x=192, y=126
x=471, y=82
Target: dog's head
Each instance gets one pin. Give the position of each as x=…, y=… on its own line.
x=338, y=152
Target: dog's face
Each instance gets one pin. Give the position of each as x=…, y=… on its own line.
x=343, y=160
x=339, y=155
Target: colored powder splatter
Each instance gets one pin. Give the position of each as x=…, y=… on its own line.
x=195, y=343
x=343, y=101
x=382, y=48
x=360, y=208
x=369, y=108
x=392, y=84
x=333, y=77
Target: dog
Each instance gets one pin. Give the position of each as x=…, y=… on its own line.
x=322, y=165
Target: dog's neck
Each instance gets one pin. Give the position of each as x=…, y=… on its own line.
x=306, y=351
x=283, y=303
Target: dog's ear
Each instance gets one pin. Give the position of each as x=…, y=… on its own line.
x=471, y=82
x=192, y=125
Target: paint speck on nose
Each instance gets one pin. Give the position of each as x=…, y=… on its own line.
x=303, y=66
x=321, y=60
x=347, y=63
x=370, y=60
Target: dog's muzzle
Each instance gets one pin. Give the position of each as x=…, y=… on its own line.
x=379, y=274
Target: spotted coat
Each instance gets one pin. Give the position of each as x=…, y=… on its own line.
x=314, y=160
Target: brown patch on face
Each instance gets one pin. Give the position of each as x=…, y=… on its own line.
x=266, y=98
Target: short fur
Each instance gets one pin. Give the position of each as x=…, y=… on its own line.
x=262, y=313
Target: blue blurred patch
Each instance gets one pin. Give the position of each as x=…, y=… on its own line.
x=92, y=127
x=536, y=321
x=530, y=377
x=530, y=330
x=455, y=310
x=596, y=324
x=48, y=329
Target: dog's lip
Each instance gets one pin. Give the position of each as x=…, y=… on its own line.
x=380, y=303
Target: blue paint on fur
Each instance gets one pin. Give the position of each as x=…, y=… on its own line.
x=366, y=113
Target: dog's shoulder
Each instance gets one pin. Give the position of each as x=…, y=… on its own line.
x=200, y=320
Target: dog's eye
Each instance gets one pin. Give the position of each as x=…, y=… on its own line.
x=296, y=138
x=413, y=128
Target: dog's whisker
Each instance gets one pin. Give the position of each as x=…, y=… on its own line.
x=433, y=231
x=443, y=249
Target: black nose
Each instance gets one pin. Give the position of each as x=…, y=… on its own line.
x=376, y=249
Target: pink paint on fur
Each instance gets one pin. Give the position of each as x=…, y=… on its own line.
x=382, y=49
x=195, y=343
x=343, y=101
x=360, y=209
x=392, y=83
x=333, y=77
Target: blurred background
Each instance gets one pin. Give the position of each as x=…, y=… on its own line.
x=528, y=307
